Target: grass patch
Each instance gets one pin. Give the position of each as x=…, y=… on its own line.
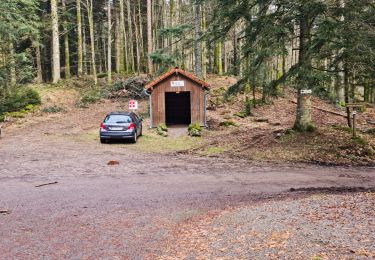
x=213, y=150
x=151, y=142
x=342, y=128
x=93, y=135
x=227, y=123
x=53, y=109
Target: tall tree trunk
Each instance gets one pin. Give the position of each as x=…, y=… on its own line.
x=92, y=39
x=131, y=43
x=79, y=40
x=235, y=52
x=12, y=65
x=197, y=41
x=149, y=37
x=109, y=45
x=118, y=43
x=346, y=94
x=123, y=49
x=137, y=42
x=218, y=58
x=140, y=21
x=84, y=47
x=303, y=115
x=55, y=43
x=39, y=71
x=66, y=43
x=204, y=45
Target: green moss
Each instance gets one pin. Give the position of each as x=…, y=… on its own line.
x=227, y=123
x=308, y=128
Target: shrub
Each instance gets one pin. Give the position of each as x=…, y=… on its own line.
x=90, y=97
x=162, y=130
x=21, y=99
x=2, y=118
x=195, y=130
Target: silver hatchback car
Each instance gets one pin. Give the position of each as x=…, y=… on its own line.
x=120, y=126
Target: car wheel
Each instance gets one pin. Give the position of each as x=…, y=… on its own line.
x=102, y=141
x=140, y=134
x=135, y=138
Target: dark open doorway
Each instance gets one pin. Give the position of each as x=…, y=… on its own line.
x=177, y=108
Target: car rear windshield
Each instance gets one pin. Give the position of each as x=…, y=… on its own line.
x=117, y=119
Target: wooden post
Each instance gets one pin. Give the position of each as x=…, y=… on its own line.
x=354, y=125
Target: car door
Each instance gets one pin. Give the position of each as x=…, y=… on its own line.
x=137, y=123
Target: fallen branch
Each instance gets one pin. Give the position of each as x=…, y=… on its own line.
x=45, y=184
x=324, y=110
x=4, y=211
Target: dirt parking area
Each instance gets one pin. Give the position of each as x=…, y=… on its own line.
x=167, y=205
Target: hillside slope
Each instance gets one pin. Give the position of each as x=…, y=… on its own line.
x=267, y=135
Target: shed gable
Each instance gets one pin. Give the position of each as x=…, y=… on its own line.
x=176, y=72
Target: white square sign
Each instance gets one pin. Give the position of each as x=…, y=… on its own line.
x=177, y=83
x=133, y=104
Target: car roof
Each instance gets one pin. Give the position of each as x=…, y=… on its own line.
x=121, y=113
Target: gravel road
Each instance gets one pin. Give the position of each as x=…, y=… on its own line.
x=132, y=210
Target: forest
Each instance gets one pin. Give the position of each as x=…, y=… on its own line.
x=327, y=46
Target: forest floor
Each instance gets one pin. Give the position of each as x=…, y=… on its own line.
x=167, y=198
x=267, y=136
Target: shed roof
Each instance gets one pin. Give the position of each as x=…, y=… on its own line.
x=176, y=71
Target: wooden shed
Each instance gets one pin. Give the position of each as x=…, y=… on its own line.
x=177, y=98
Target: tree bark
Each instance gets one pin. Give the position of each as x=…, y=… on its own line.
x=109, y=44
x=55, y=43
x=346, y=94
x=66, y=43
x=118, y=43
x=140, y=21
x=79, y=40
x=12, y=65
x=137, y=42
x=130, y=38
x=204, y=44
x=39, y=71
x=92, y=39
x=218, y=58
x=123, y=50
x=303, y=114
x=149, y=37
x=197, y=41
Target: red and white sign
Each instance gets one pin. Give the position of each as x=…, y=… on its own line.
x=133, y=104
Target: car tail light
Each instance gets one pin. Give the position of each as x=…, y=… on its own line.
x=102, y=126
x=131, y=126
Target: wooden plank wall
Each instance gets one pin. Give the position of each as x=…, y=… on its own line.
x=196, y=99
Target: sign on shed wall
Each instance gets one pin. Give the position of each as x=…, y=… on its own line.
x=177, y=83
